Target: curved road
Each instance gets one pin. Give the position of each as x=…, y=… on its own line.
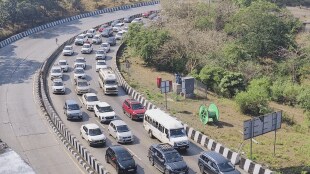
x=22, y=125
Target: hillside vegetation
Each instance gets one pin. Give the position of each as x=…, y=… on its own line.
x=19, y=15
x=252, y=55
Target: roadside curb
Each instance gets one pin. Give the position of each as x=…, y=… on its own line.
x=245, y=164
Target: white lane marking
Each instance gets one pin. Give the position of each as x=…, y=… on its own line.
x=133, y=153
x=100, y=124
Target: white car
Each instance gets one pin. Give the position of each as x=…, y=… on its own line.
x=58, y=87
x=119, y=35
x=97, y=39
x=68, y=50
x=120, y=131
x=90, y=100
x=137, y=20
x=87, y=48
x=90, y=33
x=125, y=29
x=106, y=46
x=80, y=39
x=82, y=86
x=118, y=27
x=80, y=62
x=79, y=73
x=101, y=54
x=56, y=72
x=92, y=134
x=101, y=64
x=64, y=65
x=104, y=112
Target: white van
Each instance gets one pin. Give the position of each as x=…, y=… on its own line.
x=107, y=81
x=165, y=128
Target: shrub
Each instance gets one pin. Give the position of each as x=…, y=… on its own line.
x=303, y=98
x=277, y=89
x=212, y=76
x=231, y=84
x=290, y=93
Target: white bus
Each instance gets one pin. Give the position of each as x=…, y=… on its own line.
x=107, y=81
x=165, y=128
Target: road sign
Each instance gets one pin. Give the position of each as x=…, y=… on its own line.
x=261, y=125
x=164, y=86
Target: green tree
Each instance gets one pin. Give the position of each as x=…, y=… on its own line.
x=212, y=76
x=303, y=98
x=231, y=84
x=262, y=28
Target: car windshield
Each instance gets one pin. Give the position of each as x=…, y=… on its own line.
x=58, y=84
x=122, y=128
x=177, y=132
x=80, y=37
x=105, y=109
x=110, y=82
x=67, y=48
x=226, y=167
x=56, y=70
x=96, y=37
x=79, y=60
x=89, y=31
x=101, y=63
x=173, y=157
x=94, y=132
x=82, y=84
x=111, y=39
x=119, y=25
x=86, y=46
x=137, y=106
x=120, y=34
x=100, y=52
x=104, y=45
x=79, y=71
x=92, y=98
x=123, y=155
x=62, y=63
x=73, y=107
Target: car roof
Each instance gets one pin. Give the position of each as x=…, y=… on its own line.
x=101, y=49
x=82, y=34
x=103, y=104
x=81, y=80
x=86, y=44
x=216, y=157
x=132, y=101
x=70, y=102
x=57, y=80
x=80, y=58
x=62, y=60
x=120, y=32
x=56, y=67
x=97, y=35
x=105, y=43
x=118, y=122
x=118, y=148
x=164, y=147
x=90, y=94
x=91, y=29
x=69, y=46
x=91, y=126
x=100, y=60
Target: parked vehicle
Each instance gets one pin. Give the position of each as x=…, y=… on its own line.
x=92, y=134
x=147, y=14
x=90, y=100
x=78, y=73
x=80, y=62
x=87, y=48
x=106, y=46
x=215, y=163
x=104, y=112
x=118, y=27
x=133, y=109
x=97, y=39
x=82, y=86
x=120, y=131
x=121, y=159
x=137, y=20
x=101, y=64
x=165, y=128
x=102, y=27
x=68, y=50
x=63, y=65
x=107, y=32
x=80, y=39
x=166, y=159
x=56, y=72
x=128, y=19
x=119, y=35
x=91, y=32
x=111, y=41
x=72, y=110
x=115, y=22
x=107, y=81
x=101, y=54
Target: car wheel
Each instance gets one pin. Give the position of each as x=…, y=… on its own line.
x=201, y=168
x=130, y=116
x=124, y=111
x=107, y=159
x=151, y=159
x=89, y=143
x=150, y=134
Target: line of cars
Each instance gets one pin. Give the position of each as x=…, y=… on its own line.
x=164, y=156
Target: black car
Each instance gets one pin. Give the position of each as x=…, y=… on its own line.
x=121, y=159
x=128, y=19
x=111, y=40
x=115, y=22
x=166, y=159
x=215, y=163
x=107, y=32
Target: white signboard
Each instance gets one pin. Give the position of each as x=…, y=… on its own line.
x=261, y=125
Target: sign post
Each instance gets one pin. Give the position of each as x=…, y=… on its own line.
x=165, y=88
x=262, y=125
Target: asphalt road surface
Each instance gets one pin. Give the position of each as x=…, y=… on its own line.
x=22, y=125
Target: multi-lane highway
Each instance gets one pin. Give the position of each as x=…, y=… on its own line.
x=22, y=125
x=142, y=141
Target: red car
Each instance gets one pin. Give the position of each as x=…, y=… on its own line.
x=133, y=109
x=102, y=27
x=147, y=14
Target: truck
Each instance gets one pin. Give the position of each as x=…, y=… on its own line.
x=107, y=81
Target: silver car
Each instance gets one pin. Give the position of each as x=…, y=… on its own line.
x=101, y=54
